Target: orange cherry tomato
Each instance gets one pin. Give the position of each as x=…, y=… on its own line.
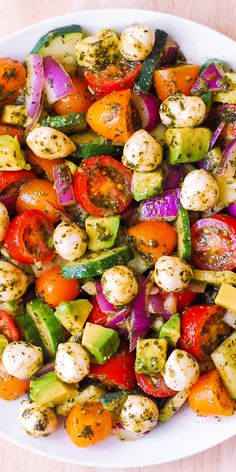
x=78, y=101
x=111, y=116
x=88, y=424
x=54, y=289
x=11, y=388
x=12, y=79
x=154, y=238
x=11, y=130
x=208, y=396
x=42, y=167
x=175, y=79
x=35, y=195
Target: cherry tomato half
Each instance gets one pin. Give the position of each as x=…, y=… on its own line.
x=202, y=329
x=77, y=101
x=214, y=243
x=183, y=299
x=36, y=195
x=103, y=186
x=15, y=179
x=154, y=385
x=8, y=327
x=119, y=76
x=54, y=289
x=97, y=316
x=29, y=237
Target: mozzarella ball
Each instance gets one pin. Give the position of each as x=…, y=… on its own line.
x=172, y=273
x=72, y=362
x=181, y=370
x=199, y=191
x=13, y=282
x=37, y=421
x=4, y=221
x=22, y=359
x=70, y=241
x=142, y=152
x=136, y=42
x=49, y=143
x=139, y=414
x=179, y=111
x=119, y=285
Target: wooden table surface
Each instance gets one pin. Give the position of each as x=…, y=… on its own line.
x=218, y=14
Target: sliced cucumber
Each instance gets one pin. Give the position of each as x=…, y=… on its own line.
x=139, y=264
x=144, y=81
x=215, y=277
x=60, y=43
x=184, y=235
x=66, y=123
x=173, y=405
x=224, y=358
x=50, y=330
x=114, y=402
x=96, y=263
x=29, y=331
x=91, y=144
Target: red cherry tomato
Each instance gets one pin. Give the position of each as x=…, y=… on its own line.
x=154, y=385
x=117, y=371
x=15, y=178
x=97, y=316
x=183, y=299
x=29, y=236
x=119, y=76
x=214, y=243
x=8, y=327
x=202, y=329
x=103, y=186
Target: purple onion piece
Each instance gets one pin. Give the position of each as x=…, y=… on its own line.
x=140, y=319
x=57, y=83
x=216, y=134
x=210, y=80
x=10, y=202
x=118, y=321
x=130, y=215
x=29, y=295
x=34, y=83
x=45, y=369
x=164, y=207
x=170, y=53
x=63, y=184
x=231, y=210
x=34, y=119
x=104, y=305
x=227, y=166
x=147, y=106
x=174, y=175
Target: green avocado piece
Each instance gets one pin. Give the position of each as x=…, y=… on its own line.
x=187, y=144
x=48, y=390
x=150, y=355
x=49, y=328
x=114, y=402
x=224, y=358
x=73, y=315
x=29, y=331
x=170, y=331
x=3, y=343
x=146, y=184
x=100, y=342
x=102, y=232
x=11, y=155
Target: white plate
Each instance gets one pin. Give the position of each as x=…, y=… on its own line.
x=185, y=434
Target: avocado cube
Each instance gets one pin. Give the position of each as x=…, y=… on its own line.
x=11, y=155
x=150, y=356
x=146, y=184
x=102, y=232
x=114, y=402
x=14, y=115
x=100, y=342
x=3, y=343
x=226, y=297
x=229, y=96
x=73, y=315
x=224, y=358
x=187, y=144
x=48, y=390
x=171, y=330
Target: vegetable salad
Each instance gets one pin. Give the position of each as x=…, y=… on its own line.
x=118, y=233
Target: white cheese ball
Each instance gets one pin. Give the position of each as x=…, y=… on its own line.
x=4, y=221
x=119, y=285
x=22, y=359
x=13, y=282
x=179, y=111
x=142, y=152
x=136, y=42
x=181, y=370
x=139, y=414
x=70, y=241
x=199, y=191
x=172, y=273
x=37, y=421
x=49, y=143
x=72, y=362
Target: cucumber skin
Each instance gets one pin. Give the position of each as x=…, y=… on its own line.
x=66, y=123
x=144, y=81
x=183, y=231
x=92, y=267
x=29, y=331
x=46, y=38
x=84, y=151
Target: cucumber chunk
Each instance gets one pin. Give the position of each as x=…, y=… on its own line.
x=29, y=331
x=91, y=144
x=96, y=263
x=224, y=358
x=173, y=405
x=69, y=123
x=183, y=234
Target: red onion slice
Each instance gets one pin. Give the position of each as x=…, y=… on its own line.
x=170, y=53
x=164, y=207
x=227, y=166
x=105, y=306
x=216, y=134
x=34, y=83
x=210, y=80
x=57, y=83
x=63, y=184
x=45, y=369
x=231, y=210
x=147, y=106
x=140, y=320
